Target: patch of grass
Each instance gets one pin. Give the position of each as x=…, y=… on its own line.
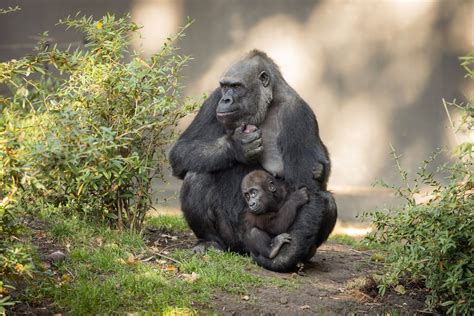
x=103, y=273
x=63, y=229
x=345, y=240
x=354, y=243
x=226, y=271
x=72, y=229
x=170, y=223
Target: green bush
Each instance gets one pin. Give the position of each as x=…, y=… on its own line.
x=83, y=132
x=86, y=130
x=432, y=243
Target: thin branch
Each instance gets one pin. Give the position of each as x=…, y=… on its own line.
x=168, y=258
x=451, y=121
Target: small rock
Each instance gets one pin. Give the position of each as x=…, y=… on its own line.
x=284, y=300
x=131, y=260
x=190, y=278
x=57, y=256
x=151, y=229
x=245, y=297
x=377, y=257
x=400, y=289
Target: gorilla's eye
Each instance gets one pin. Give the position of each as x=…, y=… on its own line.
x=224, y=88
x=253, y=193
x=224, y=85
x=247, y=196
x=240, y=90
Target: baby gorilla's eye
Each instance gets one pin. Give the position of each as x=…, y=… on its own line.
x=247, y=196
x=253, y=193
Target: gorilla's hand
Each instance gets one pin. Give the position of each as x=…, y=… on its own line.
x=247, y=143
x=300, y=196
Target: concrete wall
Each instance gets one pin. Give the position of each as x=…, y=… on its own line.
x=374, y=71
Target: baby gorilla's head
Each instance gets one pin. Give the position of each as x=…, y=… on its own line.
x=261, y=192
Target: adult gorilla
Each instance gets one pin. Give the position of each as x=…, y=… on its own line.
x=254, y=120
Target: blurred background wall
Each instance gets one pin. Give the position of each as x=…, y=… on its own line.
x=374, y=71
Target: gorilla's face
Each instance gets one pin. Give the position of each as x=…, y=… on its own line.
x=260, y=192
x=246, y=94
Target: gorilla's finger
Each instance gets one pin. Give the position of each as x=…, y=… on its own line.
x=240, y=129
x=254, y=145
x=199, y=249
x=254, y=153
x=238, y=133
x=250, y=137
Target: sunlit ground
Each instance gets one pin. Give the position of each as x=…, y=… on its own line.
x=351, y=229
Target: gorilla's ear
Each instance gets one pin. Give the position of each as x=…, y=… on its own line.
x=264, y=78
x=271, y=187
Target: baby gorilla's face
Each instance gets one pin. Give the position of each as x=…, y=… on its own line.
x=258, y=188
x=255, y=199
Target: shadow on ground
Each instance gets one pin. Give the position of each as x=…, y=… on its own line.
x=337, y=281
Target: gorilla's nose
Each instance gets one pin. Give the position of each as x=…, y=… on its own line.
x=252, y=205
x=227, y=99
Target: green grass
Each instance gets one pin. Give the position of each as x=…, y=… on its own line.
x=345, y=240
x=174, y=223
x=357, y=244
x=98, y=277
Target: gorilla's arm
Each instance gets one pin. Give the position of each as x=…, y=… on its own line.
x=204, y=145
x=302, y=149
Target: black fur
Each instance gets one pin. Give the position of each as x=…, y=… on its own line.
x=207, y=161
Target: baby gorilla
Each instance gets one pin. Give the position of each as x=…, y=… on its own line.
x=271, y=211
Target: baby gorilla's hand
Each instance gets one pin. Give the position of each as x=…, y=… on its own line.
x=281, y=239
x=301, y=196
x=278, y=242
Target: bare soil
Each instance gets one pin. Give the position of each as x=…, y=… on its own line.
x=338, y=280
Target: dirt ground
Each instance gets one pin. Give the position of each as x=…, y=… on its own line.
x=337, y=281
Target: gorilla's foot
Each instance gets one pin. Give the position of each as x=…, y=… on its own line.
x=203, y=246
x=310, y=254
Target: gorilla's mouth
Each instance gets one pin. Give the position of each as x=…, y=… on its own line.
x=255, y=209
x=225, y=114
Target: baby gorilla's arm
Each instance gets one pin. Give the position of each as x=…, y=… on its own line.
x=287, y=212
